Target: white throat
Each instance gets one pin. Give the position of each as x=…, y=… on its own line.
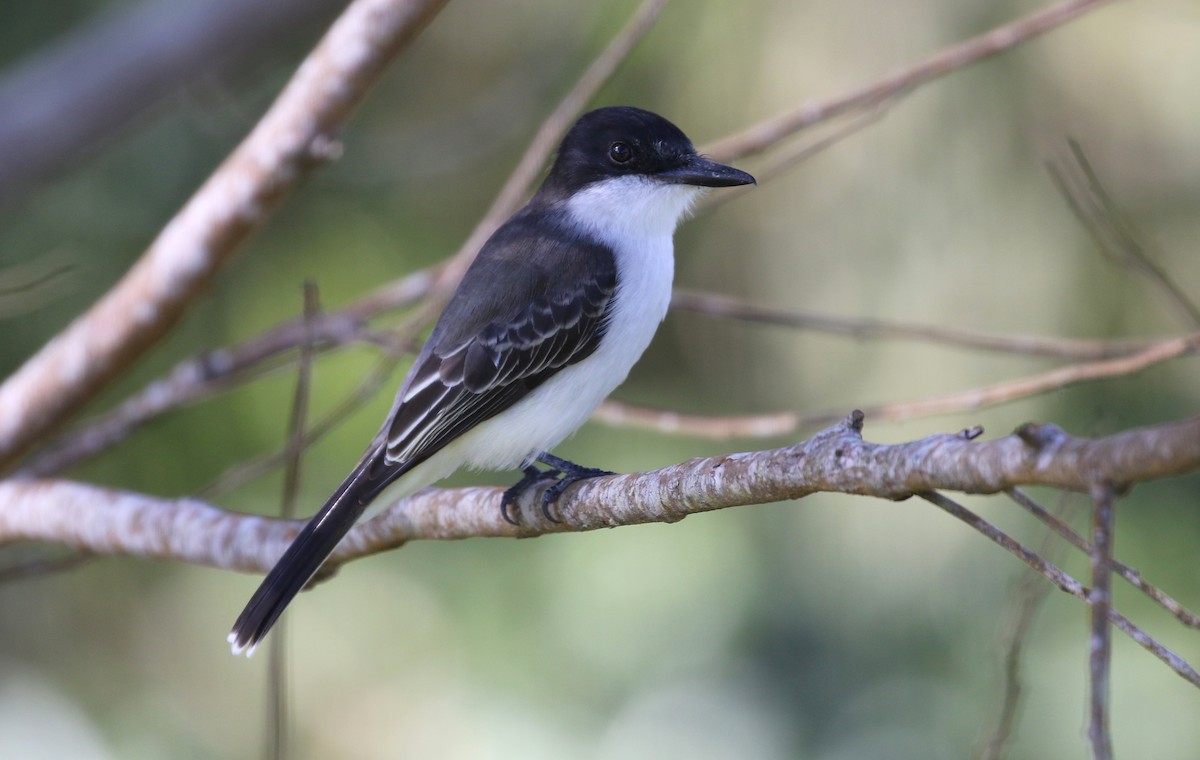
x=624, y=209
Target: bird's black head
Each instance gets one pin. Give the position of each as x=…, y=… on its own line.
x=621, y=141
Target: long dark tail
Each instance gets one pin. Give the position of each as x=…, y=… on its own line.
x=308, y=552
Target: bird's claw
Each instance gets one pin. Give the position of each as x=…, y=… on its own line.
x=561, y=476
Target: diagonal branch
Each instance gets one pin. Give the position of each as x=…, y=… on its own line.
x=297, y=132
x=1130, y=575
x=998, y=40
x=1065, y=583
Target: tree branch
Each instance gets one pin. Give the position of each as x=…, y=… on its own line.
x=837, y=459
x=299, y=130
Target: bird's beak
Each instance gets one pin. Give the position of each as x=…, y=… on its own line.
x=698, y=170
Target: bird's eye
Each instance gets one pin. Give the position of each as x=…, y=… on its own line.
x=620, y=152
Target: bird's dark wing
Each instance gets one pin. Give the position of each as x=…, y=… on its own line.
x=456, y=387
x=535, y=300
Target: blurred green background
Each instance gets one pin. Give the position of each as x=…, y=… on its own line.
x=831, y=628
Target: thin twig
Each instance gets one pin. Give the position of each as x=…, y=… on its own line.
x=1130, y=575
x=1114, y=233
x=716, y=427
x=712, y=304
x=1100, y=601
x=707, y=426
x=1033, y=385
x=252, y=469
x=789, y=158
x=212, y=371
x=19, y=279
x=1027, y=600
x=1066, y=583
x=998, y=40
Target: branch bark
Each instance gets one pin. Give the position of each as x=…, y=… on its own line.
x=837, y=459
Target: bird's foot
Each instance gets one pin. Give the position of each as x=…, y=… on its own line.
x=561, y=475
x=532, y=479
x=569, y=474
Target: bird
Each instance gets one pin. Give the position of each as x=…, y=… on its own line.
x=549, y=318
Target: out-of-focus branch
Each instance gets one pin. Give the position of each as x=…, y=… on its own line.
x=64, y=100
x=781, y=423
x=296, y=133
x=998, y=40
x=1041, y=383
x=1113, y=232
x=712, y=304
x=212, y=371
x=1028, y=596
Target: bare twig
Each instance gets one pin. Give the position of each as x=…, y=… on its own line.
x=789, y=158
x=1041, y=383
x=998, y=40
x=781, y=423
x=1133, y=577
x=1100, y=601
x=201, y=376
x=1113, y=232
x=711, y=304
x=252, y=469
x=1028, y=596
x=1066, y=583
x=708, y=426
x=299, y=130
x=23, y=278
